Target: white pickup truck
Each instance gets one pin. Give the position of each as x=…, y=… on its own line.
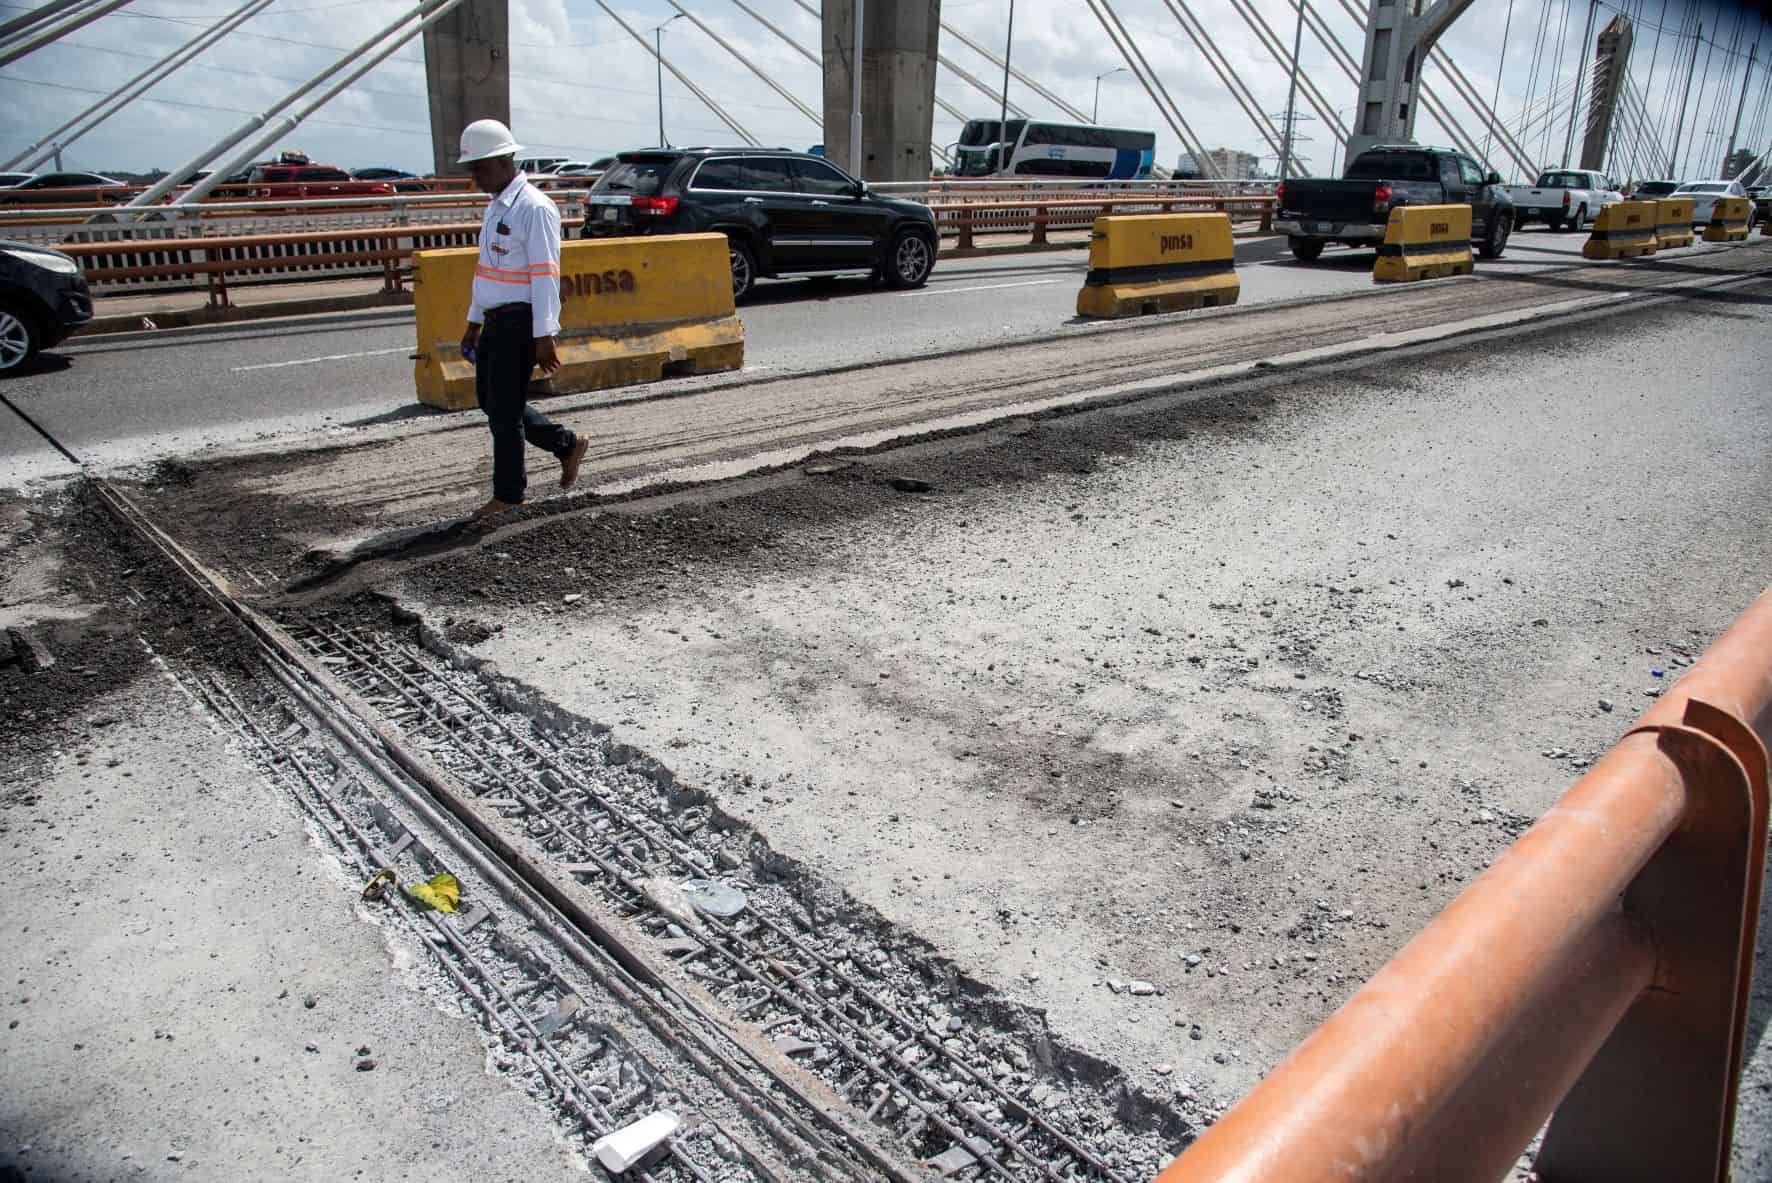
x=1563, y=197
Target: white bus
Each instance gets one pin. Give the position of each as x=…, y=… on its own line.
x=1035, y=149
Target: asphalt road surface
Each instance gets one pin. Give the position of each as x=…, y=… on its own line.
x=132, y=397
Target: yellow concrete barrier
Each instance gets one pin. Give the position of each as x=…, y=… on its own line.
x=1425, y=242
x=1729, y=220
x=1624, y=230
x=1673, y=222
x=1145, y=263
x=631, y=310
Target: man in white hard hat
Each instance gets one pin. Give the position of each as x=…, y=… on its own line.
x=514, y=314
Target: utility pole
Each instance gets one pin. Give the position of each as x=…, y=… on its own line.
x=1003, y=122
x=855, y=153
x=1292, y=97
x=1673, y=158
x=1739, y=108
x=1587, y=40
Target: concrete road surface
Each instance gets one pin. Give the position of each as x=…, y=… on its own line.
x=1229, y=696
x=134, y=396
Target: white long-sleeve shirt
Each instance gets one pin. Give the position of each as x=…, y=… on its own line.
x=519, y=256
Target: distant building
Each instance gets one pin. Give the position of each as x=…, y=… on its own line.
x=1227, y=164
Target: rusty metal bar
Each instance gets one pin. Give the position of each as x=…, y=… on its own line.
x=1599, y=968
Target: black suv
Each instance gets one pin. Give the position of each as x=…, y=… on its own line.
x=783, y=213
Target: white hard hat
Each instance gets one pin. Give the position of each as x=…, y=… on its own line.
x=486, y=138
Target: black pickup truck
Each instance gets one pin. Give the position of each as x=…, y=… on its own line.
x=1354, y=210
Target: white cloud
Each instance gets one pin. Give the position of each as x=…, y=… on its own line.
x=583, y=86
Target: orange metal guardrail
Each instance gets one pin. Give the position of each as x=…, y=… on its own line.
x=965, y=219
x=210, y=260
x=1597, y=974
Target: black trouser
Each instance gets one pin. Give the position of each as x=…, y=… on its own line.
x=504, y=359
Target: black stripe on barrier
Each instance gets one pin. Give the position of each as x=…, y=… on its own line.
x=1391, y=250
x=1151, y=272
x=1604, y=235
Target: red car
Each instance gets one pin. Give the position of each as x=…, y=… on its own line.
x=296, y=177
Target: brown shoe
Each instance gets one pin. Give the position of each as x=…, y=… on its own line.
x=569, y=463
x=493, y=506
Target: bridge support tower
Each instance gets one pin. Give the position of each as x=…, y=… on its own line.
x=898, y=48
x=468, y=76
x=1398, y=35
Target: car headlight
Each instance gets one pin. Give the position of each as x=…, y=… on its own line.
x=60, y=264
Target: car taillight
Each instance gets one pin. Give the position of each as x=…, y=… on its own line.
x=1382, y=195
x=1280, y=194
x=1565, y=199
x=656, y=207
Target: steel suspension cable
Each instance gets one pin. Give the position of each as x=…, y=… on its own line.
x=1141, y=69
x=1281, y=54
x=1232, y=82
x=1500, y=69
x=114, y=102
x=1556, y=79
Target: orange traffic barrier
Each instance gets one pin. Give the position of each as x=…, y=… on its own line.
x=1596, y=974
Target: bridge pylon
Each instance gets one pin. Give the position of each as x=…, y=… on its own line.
x=1399, y=34
x=467, y=75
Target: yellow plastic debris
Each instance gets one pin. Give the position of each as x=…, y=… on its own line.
x=441, y=892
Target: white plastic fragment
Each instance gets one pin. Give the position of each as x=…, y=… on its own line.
x=623, y=1148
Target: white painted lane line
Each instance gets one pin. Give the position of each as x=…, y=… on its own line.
x=986, y=287
x=309, y=361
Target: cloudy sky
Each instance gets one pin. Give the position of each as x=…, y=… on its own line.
x=582, y=86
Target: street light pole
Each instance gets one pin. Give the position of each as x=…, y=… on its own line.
x=1095, y=111
x=1003, y=120
x=658, y=60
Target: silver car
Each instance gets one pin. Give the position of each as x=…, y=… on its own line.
x=1704, y=196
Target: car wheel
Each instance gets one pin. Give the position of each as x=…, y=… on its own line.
x=1495, y=241
x=19, y=338
x=913, y=258
x=1305, y=250
x=1580, y=218
x=744, y=268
